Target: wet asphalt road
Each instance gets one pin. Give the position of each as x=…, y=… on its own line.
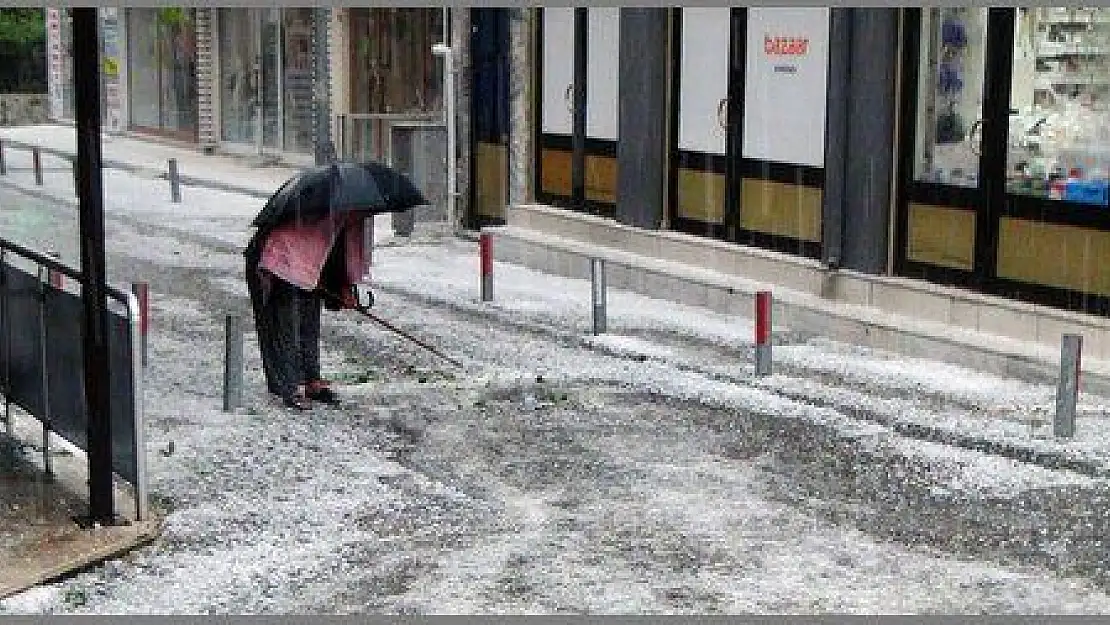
x=476, y=492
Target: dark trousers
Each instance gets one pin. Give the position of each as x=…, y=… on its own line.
x=287, y=321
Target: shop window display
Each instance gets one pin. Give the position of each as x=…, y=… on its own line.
x=951, y=95
x=265, y=58
x=1059, y=145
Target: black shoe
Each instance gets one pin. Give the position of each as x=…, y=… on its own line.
x=325, y=395
x=296, y=401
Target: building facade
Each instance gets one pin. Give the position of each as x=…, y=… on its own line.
x=779, y=128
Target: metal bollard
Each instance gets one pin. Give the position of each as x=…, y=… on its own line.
x=175, y=182
x=3, y=165
x=597, y=282
x=36, y=164
x=1067, y=388
x=233, y=363
x=141, y=290
x=763, y=333
x=5, y=316
x=485, y=253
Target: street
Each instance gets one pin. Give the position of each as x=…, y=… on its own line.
x=645, y=471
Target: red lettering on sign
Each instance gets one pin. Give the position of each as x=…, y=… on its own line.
x=785, y=46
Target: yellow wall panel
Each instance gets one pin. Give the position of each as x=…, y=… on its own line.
x=555, y=171
x=782, y=209
x=491, y=183
x=1056, y=255
x=701, y=196
x=601, y=179
x=941, y=236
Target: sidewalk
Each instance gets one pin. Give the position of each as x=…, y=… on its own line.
x=40, y=537
x=149, y=158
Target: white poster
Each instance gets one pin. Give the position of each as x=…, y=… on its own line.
x=602, y=72
x=558, y=70
x=785, y=85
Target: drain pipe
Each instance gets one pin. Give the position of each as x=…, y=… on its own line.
x=444, y=50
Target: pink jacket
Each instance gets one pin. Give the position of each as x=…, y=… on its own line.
x=296, y=252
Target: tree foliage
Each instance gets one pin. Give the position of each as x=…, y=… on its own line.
x=22, y=26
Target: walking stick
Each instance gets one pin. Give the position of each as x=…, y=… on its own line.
x=389, y=326
x=392, y=328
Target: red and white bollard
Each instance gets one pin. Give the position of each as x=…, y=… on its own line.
x=485, y=253
x=763, y=333
x=54, y=276
x=141, y=291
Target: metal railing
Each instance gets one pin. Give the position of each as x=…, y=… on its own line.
x=42, y=370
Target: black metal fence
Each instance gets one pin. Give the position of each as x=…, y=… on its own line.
x=42, y=364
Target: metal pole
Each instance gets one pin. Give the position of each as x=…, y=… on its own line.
x=444, y=49
x=763, y=333
x=76, y=176
x=142, y=498
x=7, y=345
x=44, y=382
x=98, y=390
x=141, y=290
x=36, y=165
x=597, y=280
x=233, y=362
x=3, y=165
x=485, y=253
x=175, y=181
x=1067, y=388
x=324, y=148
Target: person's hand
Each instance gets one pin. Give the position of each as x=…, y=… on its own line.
x=350, y=298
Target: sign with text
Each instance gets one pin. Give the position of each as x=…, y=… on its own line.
x=110, y=69
x=55, y=60
x=786, y=75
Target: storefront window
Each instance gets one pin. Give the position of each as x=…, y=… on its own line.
x=279, y=41
x=1059, y=144
x=950, y=93
x=161, y=48
x=237, y=52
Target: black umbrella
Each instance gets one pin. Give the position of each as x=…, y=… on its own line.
x=369, y=188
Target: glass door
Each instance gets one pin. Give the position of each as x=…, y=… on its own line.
x=943, y=232
x=239, y=73
x=271, y=87
x=701, y=88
